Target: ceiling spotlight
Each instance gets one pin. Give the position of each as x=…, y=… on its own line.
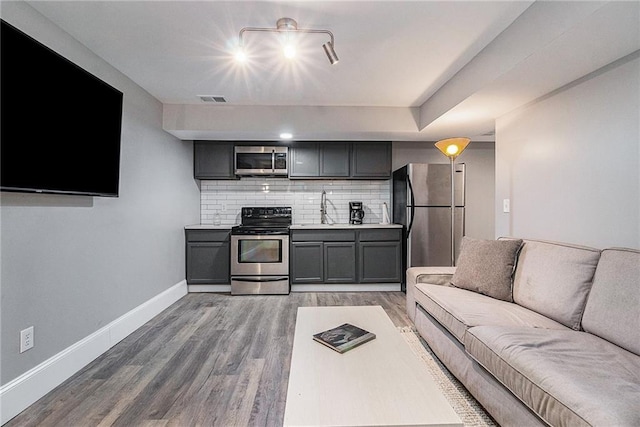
x=240, y=55
x=289, y=51
x=286, y=135
x=331, y=53
x=288, y=26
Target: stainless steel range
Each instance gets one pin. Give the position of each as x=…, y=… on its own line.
x=260, y=251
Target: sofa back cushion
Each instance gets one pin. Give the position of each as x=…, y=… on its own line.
x=554, y=279
x=613, y=307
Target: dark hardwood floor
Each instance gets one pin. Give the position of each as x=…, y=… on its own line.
x=209, y=360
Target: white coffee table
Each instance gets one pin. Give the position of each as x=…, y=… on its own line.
x=381, y=382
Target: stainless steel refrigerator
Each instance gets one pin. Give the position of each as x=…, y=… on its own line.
x=422, y=203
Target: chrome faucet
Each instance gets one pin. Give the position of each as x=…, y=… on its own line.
x=323, y=207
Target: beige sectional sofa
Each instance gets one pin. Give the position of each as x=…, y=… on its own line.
x=562, y=349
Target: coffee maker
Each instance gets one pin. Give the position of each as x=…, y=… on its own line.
x=356, y=213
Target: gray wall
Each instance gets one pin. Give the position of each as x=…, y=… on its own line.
x=570, y=162
x=71, y=265
x=479, y=158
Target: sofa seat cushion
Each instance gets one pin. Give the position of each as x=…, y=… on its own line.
x=458, y=309
x=568, y=378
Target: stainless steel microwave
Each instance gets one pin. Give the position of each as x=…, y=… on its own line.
x=263, y=160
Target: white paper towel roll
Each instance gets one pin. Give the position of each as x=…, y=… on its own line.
x=385, y=214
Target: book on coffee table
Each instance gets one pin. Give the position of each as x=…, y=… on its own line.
x=344, y=337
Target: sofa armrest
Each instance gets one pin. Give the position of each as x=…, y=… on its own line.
x=433, y=275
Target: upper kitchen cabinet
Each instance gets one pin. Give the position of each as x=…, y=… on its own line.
x=340, y=160
x=304, y=160
x=371, y=160
x=334, y=160
x=325, y=160
x=213, y=160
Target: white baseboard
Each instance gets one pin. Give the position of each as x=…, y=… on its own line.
x=18, y=394
x=347, y=287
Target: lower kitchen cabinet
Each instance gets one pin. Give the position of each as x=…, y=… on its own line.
x=322, y=256
x=306, y=262
x=380, y=255
x=380, y=262
x=208, y=257
x=346, y=256
x=339, y=262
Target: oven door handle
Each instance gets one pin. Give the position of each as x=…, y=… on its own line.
x=261, y=279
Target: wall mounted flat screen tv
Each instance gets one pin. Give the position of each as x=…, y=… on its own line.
x=60, y=125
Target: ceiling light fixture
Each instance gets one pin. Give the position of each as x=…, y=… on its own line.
x=287, y=26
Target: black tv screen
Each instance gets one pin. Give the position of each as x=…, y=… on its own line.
x=60, y=125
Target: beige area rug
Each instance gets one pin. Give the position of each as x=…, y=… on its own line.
x=468, y=409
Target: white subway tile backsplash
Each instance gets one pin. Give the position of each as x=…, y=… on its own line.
x=226, y=198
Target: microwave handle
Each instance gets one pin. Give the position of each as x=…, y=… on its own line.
x=273, y=160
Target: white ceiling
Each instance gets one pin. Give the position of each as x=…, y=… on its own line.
x=408, y=70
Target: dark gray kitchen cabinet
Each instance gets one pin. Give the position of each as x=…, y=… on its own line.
x=334, y=160
x=380, y=262
x=213, y=160
x=208, y=256
x=367, y=255
x=371, y=160
x=304, y=160
x=340, y=160
x=339, y=262
x=323, y=256
x=380, y=256
x=306, y=262
x=314, y=160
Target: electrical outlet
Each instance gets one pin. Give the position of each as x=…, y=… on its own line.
x=26, y=339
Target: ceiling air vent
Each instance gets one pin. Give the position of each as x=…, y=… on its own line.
x=212, y=98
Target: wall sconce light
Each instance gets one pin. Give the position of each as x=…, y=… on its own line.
x=452, y=148
x=287, y=26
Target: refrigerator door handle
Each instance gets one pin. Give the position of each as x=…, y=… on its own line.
x=411, y=206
